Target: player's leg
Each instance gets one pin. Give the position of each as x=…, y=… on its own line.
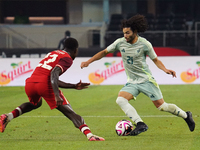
x=126, y=94
x=130, y=111
x=175, y=110
x=123, y=101
x=78, y=122
x=23, y=108
x=153, y=91
x=66, y=109
x=35, y=102
x=171, y=108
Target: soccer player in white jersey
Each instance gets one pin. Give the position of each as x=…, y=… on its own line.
x=134, y=50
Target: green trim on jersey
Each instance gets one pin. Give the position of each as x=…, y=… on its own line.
x=151, y=79
x=134, y=59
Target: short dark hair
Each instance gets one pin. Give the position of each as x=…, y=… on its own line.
x=67, y=33
x=136, y=23
x=71, y=44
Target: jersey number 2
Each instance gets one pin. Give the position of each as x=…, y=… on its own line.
x=45, y=65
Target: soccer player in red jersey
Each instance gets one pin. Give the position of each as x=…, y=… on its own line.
x=44, y=83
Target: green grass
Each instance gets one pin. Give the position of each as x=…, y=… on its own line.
x=44, y=129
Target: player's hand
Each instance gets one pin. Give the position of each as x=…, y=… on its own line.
x=173, y=73
x=80, y=85
x=59, y=100
x=84, y=64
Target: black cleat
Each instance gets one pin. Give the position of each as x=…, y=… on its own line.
x=189, y=120
x=140, y=127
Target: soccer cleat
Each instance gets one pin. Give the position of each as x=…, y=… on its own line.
x=140, y=127
x=3, y=122
x=189, y=120
x=96, y=138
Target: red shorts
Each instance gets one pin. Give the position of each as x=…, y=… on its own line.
x=36, y=90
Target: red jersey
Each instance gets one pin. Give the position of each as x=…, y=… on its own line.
x=58, y=58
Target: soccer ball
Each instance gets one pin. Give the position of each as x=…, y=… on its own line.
x=123, y=127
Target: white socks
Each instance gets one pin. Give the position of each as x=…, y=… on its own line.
x=172, y=108
x=15, y=113
x=10, y=116
x=128, y=109
x=89, y=135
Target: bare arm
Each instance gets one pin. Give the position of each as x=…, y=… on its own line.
x=161, y=66
x=97, y=56
x=78, y=86
x=56, y=83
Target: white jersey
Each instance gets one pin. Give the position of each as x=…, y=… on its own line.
x=134, y=58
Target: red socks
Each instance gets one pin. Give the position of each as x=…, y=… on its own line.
x=17, y=112
x=85, y=129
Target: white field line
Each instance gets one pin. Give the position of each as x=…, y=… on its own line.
x=146, y=116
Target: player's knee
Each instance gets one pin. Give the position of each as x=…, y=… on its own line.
x=121, y=101
x=38, y=104
x=163, y=107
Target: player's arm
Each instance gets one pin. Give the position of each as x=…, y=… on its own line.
x=78, y=86
x=55, y=82
x=161, y=66
x=97, y=56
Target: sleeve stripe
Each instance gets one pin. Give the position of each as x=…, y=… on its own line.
x=60, y=67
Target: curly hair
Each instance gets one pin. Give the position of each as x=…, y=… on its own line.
x=71, y=44
x=136, y=23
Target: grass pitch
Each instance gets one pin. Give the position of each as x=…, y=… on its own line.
x=44, y=129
